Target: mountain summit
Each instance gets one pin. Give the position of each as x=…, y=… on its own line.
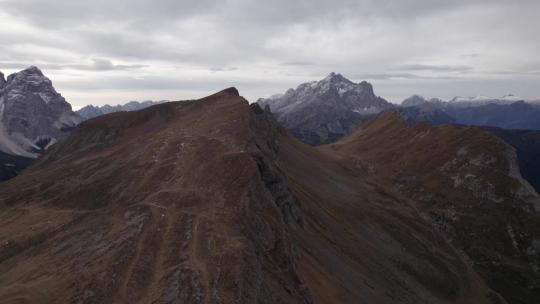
x=320, y=112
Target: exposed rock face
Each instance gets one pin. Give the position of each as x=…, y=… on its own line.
x=209, y=201
x=2, y=81
x=466, y=182
x=91, y=111
x=322, y=111
x=32, y=114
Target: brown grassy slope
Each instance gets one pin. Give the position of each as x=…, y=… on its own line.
x=164, y=205
x=465, y=181
x=363, y=244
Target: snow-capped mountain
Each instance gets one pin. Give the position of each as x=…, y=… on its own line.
x=319, y=112
x=471, y=101
x=92, y=111
x=480, y=100
x=33, y=115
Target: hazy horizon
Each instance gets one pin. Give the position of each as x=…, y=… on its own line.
x=111, y=53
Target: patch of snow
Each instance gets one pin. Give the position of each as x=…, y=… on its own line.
x=51, y=142
x=367, y=110
x=512, y=235
x=45, y=97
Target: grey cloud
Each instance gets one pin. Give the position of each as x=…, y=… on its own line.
x=436, y=68
x=297, y=63
x=226, y=69
x=104, y=65
x=394, y=76
x=97, y=64
x=470, y=55
x=277, y=44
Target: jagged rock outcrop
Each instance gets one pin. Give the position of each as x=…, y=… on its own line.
x=322, y=111
x=2, y=81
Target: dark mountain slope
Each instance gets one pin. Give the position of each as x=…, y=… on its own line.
x=12, y=165
x=527, y=145
x=518, y=115
x=365, y=243
x=464, y=181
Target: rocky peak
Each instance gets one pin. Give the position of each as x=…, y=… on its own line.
x=29, y=72
x=335, y=78
x=322, y=111
x=367, y=87
x=336, y=81
x=32, y=80
x=414, y=100
x=231, y=91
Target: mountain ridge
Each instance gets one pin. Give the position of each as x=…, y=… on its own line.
x=91, y=111
x=275, y=221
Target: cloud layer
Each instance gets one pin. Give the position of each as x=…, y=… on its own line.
x=114, y=51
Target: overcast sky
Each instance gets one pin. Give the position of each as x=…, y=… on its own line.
x=107, y=51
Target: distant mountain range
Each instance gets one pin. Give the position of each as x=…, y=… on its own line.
x=324, y=111
x=475, y=101
x=91, y=111
x=508, y=112
x=321, y=112
x=33, y=116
